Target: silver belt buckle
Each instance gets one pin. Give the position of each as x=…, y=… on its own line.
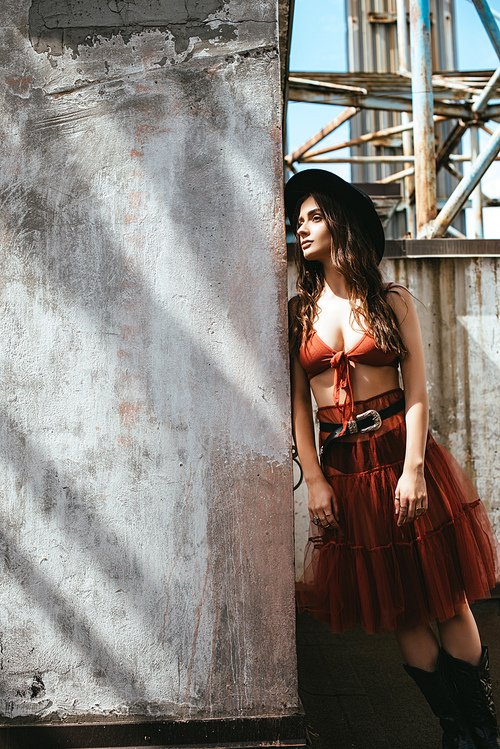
x=352, y=427
x=377, y=421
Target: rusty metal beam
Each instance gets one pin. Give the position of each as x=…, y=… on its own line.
x=494, y=13
x=486, y=94
x=455, y=233
x=397, y=176
x=328, y=85
x=441, y=81
x=368, y=137
x=449, y=144
x=333, y=125
x=489, y=23
x=423, y=129
x=459, y=196
x=454, y=172
x=476, y=196
x=387, y=158
x=458, y=86
x=380, y=103
x=359, y=160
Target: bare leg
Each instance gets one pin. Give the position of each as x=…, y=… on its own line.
x=425, y=664
x=418, y=646
x=460, y=637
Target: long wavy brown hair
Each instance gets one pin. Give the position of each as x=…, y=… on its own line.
x=356, y=259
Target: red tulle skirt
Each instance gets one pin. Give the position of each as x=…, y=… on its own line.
x=381, y=575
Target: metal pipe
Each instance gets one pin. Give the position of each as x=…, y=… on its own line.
x=389, y=159
x=358, y=160
x=367, y=137
x=385, y=103
x=396, y=176
x=404, y=67
x=441, y=81
x=461, y=157
x=454, y=172
x=486, y=94
x=402, y=31
x=326, y=84
x=451, y=142
x=457, y=199
x=494, y=12
x=455, y=233
x=333, y=125
x=423, y=129
x=476, y=196
x=409, y=181
x=489, y=23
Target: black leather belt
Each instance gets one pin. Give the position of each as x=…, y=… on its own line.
x=369, y=421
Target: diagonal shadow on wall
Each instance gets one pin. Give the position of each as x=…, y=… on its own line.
x=102, y=283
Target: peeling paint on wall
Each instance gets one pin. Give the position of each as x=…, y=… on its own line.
x=54, y=25
x=191, y=26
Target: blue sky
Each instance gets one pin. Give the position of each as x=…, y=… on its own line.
x=318, y=44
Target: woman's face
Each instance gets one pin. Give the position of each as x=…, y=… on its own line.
x=313, y=233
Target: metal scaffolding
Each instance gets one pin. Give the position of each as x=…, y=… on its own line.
x=407, y=126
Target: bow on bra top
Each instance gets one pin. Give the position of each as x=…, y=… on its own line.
x=316, y=357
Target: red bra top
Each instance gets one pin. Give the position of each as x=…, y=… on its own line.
x=316, y=357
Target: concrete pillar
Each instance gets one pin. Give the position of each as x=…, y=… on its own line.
x=146, y=513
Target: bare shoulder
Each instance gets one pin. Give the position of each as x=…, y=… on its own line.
x=400, y=299
x=395, y=291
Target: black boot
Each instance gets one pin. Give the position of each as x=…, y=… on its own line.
x=436, y=690
x=473, y=685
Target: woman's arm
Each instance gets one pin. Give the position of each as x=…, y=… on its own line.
x=411, y=493
x=322, y=502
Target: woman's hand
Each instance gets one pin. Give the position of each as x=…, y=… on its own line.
x=323, y=503
x=410, y=500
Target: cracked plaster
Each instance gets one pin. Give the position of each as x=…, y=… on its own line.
x=55, y=25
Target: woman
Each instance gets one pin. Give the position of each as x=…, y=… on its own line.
x=398, y=537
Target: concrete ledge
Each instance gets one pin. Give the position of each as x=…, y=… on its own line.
x=240, y=733
x=420, y=248
x=395, y=248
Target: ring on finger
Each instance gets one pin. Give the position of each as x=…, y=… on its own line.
x=420, y=511
x=316, y=520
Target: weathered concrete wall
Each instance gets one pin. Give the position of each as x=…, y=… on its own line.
x=146, y=516
x=460, y=318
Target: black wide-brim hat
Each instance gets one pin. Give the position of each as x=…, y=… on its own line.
x=319, y=180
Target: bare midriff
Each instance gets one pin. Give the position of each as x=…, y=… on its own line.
x=367, y=382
